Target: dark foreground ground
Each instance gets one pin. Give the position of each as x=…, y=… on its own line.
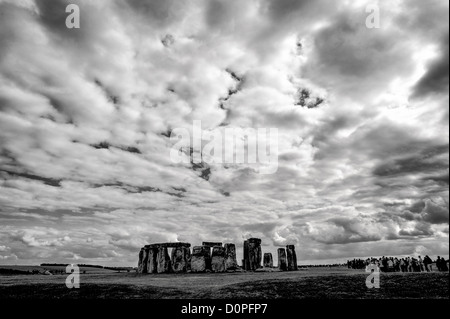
x=310, y=283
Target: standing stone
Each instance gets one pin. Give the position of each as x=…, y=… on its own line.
x=198, y=259
x=144, y=261
x=218, y=259
x=188, y=258
x=230, y=257
x=291, y=258
x=268, y=260
x=179, y=259
x=282, y=259
x=208, y=257
x=246, y=262
x=163, y=260
x=254, y=253
x=141, y=255
x=259, y=256
x=152, y=261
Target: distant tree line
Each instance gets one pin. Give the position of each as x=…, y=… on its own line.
x=88, y=265
x=322, y=265
x=64, y=265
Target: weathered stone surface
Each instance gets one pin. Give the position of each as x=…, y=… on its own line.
x=144, y=261
x=211, y=244
x=198, y=258
x=208, y=257
x=163, y=260
x=254, y=240
x=168, y=245
x=268, y=260
x=151, y=261
x=179, y=259
x=188, y=259
x=282, y=265
x=246, y=262
x=254, y=253
x=291, y=258
x=259, y=256
x=218, y=259
x=141, y=255
x=230, y=257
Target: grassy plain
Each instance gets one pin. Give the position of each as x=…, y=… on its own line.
x=323, y=283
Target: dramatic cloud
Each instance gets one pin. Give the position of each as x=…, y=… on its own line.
x=86, y=117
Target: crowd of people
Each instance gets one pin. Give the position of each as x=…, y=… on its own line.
x=394, y=264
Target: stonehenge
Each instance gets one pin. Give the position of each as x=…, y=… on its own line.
x=152, y=261
x=252, y=254
x=291, y=258
x=180, y=259
x=268, y=260
x=211, y=257
x=155, y=258
x=200, y=255
x=218, y=259
x=141, y=257
x=230, y=257
x=162, y=261
x=282, y=265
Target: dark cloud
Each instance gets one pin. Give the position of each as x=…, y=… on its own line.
x=435, y=214
x=428, y=160
x=353, y=231
x=444, y=178
x=106, y=145
x=436, y=78
x=427, y=211
x=416, y=207
x=6, y=174
x=420, y=230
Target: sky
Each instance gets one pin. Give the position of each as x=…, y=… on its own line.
x=86, y=116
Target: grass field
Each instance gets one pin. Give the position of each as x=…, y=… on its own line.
x=338, y=283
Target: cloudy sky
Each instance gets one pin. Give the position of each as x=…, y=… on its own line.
x=86, y=115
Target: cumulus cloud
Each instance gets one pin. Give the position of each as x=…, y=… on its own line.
x=87, y=115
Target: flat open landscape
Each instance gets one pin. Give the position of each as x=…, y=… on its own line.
x=333, y=283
